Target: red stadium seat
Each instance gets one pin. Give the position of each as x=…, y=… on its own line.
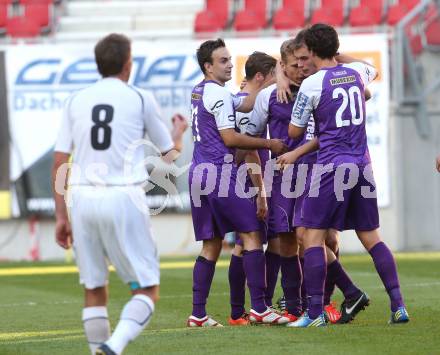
x=3, y=15
x=432, y=30
x=330, y=12
x=290, y=15
x=398, y=11
x=22, y=27
x=36, y=2
x=252, y=17
x=38, y=12
x=368, y=13
x=213, y=18
x=433, y=33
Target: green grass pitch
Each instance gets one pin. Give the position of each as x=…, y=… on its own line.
x=41, y=314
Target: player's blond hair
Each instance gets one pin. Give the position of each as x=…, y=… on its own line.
x=289, y=46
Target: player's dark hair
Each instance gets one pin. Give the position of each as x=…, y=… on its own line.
x=259, y=62
x=111, y=53
x=323, y=40
x=204, y=53
x=299, y=40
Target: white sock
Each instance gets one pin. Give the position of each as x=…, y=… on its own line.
x=96, y=326
x=134, y=318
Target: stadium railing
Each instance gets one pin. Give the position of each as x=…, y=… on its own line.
x=415, y=33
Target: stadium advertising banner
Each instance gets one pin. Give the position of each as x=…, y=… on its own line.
x=5, y=195
x=41, y=77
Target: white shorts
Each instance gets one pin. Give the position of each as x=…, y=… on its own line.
x=109, y=227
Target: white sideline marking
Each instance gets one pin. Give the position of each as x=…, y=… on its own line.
x=33, y=304
x=20, y=337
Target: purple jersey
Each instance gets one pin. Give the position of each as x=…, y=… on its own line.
x=309, y=134
x=268, y=112
x=212, y=109
x=221, y=210
x=336, y=98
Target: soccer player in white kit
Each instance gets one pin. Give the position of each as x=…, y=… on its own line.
x=100, y=125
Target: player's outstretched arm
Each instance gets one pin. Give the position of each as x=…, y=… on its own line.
x=254, y=170
x=296, y=132
x=284, y=94
x=292, y=156
x=438, y=163
x=168, y=143
x=248, y=102
x=233, y=139
x=240, y=156
x=347, y=59
x=367, y=93
x=63, y=230
x=180, y=125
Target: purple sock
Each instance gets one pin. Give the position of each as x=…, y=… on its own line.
x=237, y=284
x=329, y=288
x=291, y=282
x=254, y=269
x=387, y=270
x=202, y=278
x=337, y=275
x=272, y=269
x=303, y=287
x=315, y=269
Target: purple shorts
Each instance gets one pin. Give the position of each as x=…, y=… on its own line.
x=328, y=206
x=265, y=233
x=270, y=234
x=299, y=201
x=219, y=210
x=281, y=207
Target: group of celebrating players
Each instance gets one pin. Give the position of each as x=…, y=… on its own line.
x=313, y=123
x=315, y=118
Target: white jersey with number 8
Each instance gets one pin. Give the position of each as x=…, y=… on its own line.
x=101, y=123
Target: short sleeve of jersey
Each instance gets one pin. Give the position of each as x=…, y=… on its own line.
x=260, y=114
x=307, y=100
x=367, y=72
x=221, y=103
x=64, y=143
x=237, y=100
x=242, y=121
x=155, y=127
x=242, y=118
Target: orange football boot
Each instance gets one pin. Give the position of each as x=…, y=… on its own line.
x=243, y=320
x=292, y=317
x=332, y=312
